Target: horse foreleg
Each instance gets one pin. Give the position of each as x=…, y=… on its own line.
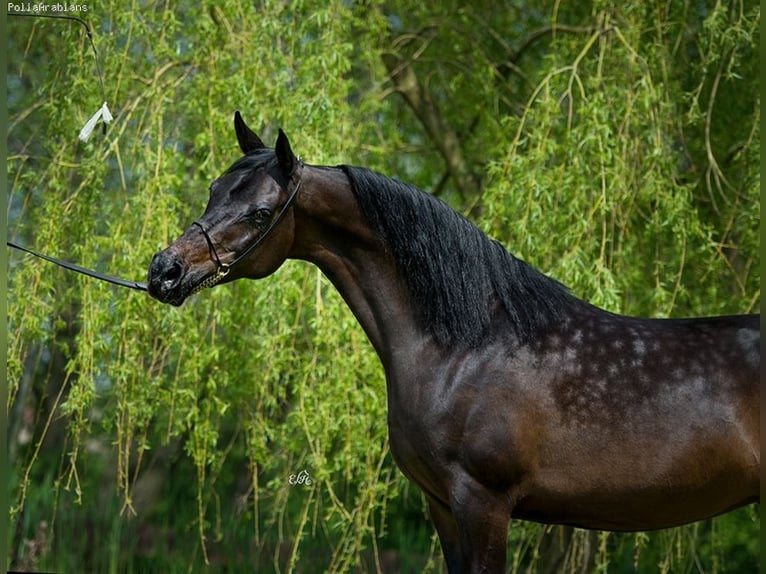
x=482, y=517
x=449, y=538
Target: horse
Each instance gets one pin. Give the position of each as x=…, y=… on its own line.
x=507, y=395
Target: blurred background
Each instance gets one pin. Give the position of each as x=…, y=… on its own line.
x=613, y=145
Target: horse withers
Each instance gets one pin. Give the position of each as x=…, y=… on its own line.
x=507, y=395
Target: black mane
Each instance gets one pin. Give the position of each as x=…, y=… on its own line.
x=456, y=274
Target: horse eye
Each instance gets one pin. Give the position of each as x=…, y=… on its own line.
x=261, y=215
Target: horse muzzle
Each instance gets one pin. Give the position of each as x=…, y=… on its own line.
x=165, y=280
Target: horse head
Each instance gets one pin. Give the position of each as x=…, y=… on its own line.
x=247, y=228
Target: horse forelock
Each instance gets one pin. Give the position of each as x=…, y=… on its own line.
x=455, y=273
x=254, y=160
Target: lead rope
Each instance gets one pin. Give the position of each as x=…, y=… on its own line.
x=138, y=286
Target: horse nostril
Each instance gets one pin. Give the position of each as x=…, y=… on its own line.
x=173, y=273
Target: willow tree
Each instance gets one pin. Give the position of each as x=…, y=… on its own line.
x=614, y=147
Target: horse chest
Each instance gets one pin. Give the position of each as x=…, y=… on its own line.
x=458, y=413
x=418, y=408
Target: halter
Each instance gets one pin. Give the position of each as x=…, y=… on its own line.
x=222, y=269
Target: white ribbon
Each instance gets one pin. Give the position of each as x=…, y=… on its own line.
x=102, y=113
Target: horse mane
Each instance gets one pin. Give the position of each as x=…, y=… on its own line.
x=455, y=273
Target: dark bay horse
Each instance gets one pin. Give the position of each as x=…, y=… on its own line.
x=507, y=395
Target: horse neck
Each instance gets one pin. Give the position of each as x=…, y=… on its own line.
x=331, y=233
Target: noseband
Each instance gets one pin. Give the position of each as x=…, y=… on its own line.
x=222, y=269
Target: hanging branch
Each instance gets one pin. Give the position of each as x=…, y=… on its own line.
x=103, y=112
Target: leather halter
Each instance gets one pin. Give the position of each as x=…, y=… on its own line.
x=222, y=269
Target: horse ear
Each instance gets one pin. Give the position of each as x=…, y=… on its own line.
x=285, y=155
x=247, y=139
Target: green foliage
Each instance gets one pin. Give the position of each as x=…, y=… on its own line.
x=618, y=152
x=623, y=219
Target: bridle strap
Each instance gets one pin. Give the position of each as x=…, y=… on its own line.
x=211, y=247
x=222, y=269
x=89, y=272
